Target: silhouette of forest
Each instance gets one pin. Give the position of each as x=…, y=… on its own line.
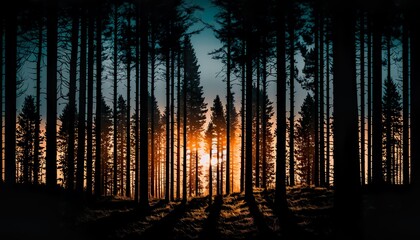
x=89, y=150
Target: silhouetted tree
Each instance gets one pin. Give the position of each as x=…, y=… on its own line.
x=391, y=105
x=89, y=119
x=82, y=102
x=63, y=140
x=144, y=193
x=219, y=127
x=209, y=135
x=305, y=139
x=122, y=143
x=405, y=82
x=25, y=142
x=346, y=157
x=105, y=158
x=196, y=108
x=72, y=93
x=377, y=29
x=51, y=131
x=98, y=161
x=280, y=29
x=1, y=97
x=415, y=85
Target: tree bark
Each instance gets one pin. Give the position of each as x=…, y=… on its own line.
x=37, y=104
x=362, y=96
x=377, y=178
x=316, y=96
x=292, y=95
x=89, y=120
x=98, y=122
x=82, y=106
x=144, y=193
x=51, y=131
x=346, y=156
x=115, y=75
x=281, y=123
x=72, y=95
x=128, y=141
x=405, y=143
x=1, y=99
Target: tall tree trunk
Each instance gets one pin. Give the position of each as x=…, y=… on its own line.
x=242, y=180
x=362, y=96
x=415, y=98
x=316, y=95
x=321, y=101
x=264, y=118
x=152, y=110
x=257, y=127
x=82, y=106
x=115, y=73
x=172, y=120
x=196, y=171
x=168, y=140
x=229, y=101
x=221, y=168
x=1, y=99
x=327, y=167
x=377, y=178
x=217, y=165
x=137, y=110
x=346, y=156
x=144, y=193
x=405, y=143
x=89, y=120
x=98, y=122
x=38, y=101
x=210, y=178
x=248, y=151
x=178, y=126
x=184, y=167
x=369, y=100
x=51, y=131
x=388, y=115
x=280, y=194
x=128, y=141
x=10, y=95
x=292, y=96
x=72, y=95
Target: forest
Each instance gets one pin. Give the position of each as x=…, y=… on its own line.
x=209, y=119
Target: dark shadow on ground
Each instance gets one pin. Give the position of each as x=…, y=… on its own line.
x=265, y=232
x=101, y=228
x=288, y=221
x=210, y=226
x=162, y=229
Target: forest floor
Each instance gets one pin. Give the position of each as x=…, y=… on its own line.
x=38, y=214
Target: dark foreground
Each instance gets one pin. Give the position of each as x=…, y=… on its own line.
x=28, y=213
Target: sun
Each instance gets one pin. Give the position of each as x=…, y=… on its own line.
x=204, y=161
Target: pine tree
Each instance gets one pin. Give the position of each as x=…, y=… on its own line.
x=196, y=108
x=391, y=120
x=219, y=126
x=122, y=144
x=305, y=141
x=25, y=141
x=63, y=139
x=106, y=159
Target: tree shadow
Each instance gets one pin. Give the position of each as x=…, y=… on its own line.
x=101, y=228
x=210, y=226
x=162, y=229
x=265, y=232
x=290, y=228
